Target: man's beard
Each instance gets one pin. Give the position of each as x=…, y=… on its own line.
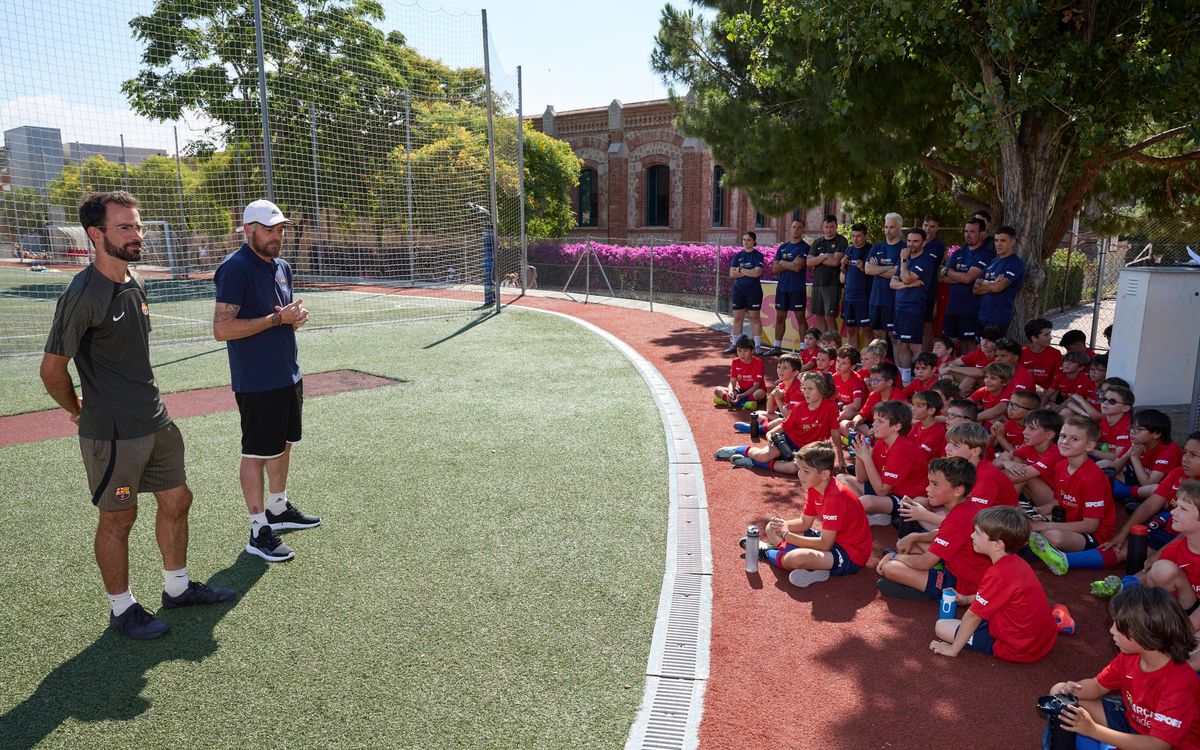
x=266, y=249
x=130, y=252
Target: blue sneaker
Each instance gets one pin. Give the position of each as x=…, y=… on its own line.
x=197, y=593
x=137, y=623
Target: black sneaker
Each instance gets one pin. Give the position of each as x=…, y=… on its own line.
x=731, y=349
x=899, y=590
x=197, y=593
x=137, y=623
x=268, y=545
x=291, y=518
x=762, y=548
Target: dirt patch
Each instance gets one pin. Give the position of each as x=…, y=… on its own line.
x=35, y=426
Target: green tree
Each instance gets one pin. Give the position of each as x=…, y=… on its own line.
x=1017, y=106
x=24, y=211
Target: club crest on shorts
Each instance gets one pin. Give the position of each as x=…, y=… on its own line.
x=122, y=494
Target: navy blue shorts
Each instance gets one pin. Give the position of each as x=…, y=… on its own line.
x=930, y=304
x=790, y=301
x=881, y=317
x=909, y=325
x=1114, y=714
x=856, y=312
x=961, y=327
x=1159, y=536
x=869, y=490
x=981, y=640
x=1001, y=324
x=747, y=298
x=939, y=579
x=842, y=564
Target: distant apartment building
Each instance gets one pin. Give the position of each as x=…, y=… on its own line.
x=643, y=179
x=128, y=155
x=35, y=156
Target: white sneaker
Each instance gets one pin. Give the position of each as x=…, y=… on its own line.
x=802, y=578
x=879, y=519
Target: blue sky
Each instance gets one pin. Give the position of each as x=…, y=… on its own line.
x=62, y=66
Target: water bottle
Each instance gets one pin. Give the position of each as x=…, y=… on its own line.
x=751, y=549
x=1051, y=706
x=1135, y=558
x=949, y=608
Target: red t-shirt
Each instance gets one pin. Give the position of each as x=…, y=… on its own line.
x=1014, y=433
x=874, y=398
x=1167, y=489
x=919, y=385
x=1081, y=384
x=902, y=466
x=945, y=360
x=953, y=546
x=931, y=440
x=841, y=511
x=976, y=359
x=1013, y=602
x=1022, y=380
x=986, y=399
x=1043, y=462
x=1116, y=435
x=1162, y=703
x=747, y=375
x=992, y=487
x=848, y=388
x=1043, y=365
x=805, y=424
x=808, y=354
x=1086, y=494
x=1164, y=457
x=1178, y=552
x=793, y=395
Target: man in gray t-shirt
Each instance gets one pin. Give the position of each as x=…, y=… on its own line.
x=128, y=442
x=825, y=260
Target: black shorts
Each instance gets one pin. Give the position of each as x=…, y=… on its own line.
x=825, y=299
x=881, y=317
x=747, y=298
x=270, y=420
x=961, y=327
x=909, y=325
x=790, y=301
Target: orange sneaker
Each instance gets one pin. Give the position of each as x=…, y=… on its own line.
x=1062, y=616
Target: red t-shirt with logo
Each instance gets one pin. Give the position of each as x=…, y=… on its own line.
x=1116, y=435
x=1163, y=457
x=1163, y=703
x=992, y=487
x=1043, y=462
x=945, y=360
x=931, y=440
x=903, y=466
x=1022, y=380
x=746, y=375
x=840, y=510
x=1014, y=433
x=1178, y=552
x=1167, y=489
x=1013, y=602
x=1086, y=494
x=793, y=395
x=1043, y=365
x=874, y=398
x=1080, y=385
x=848, y=388
x=986, y=399
x=808, y=355
x=953, y=546
x=916, y=386
x=977, y=359
x=805, y=424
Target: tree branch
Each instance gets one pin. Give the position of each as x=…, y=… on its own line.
x=1166, y=135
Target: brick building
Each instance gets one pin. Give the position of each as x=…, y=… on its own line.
x=644, y=179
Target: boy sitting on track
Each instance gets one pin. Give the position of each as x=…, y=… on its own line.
x=1009, y=433
x=1009, y=616
x=1069, y=381
x=925, y=374
x=1031, y=466
x=813, y=419
x=1151, y=457
x=1115, y=405
x=1178, y=566
x=850, y=389
x=892, y=467
x=927, y=431
x=747, y=386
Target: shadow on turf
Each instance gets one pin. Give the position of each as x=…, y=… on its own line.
x=481, y=319
x=104, y=682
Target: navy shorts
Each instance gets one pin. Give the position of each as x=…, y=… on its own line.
x=747, y=298
x=981, y=640
x=1159, y=536
x=930, y=304
x=842, y=564
x=869, y=490
x=790, y=301
x=856, y=312
x=961, y=327
x=881, y=317
x=1001, y=324
x=909, y=325
x=938, y=580
x=1114, y=717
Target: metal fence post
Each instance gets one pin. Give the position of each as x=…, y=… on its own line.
x=268, y=166
x=651, y=274
x=587, y=273
x=318, y=253
x=717, y=285
x=1099, y=290
x=494, y=219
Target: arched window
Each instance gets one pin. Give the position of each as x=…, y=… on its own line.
x=718, y=197
x=658, y=196
x=760, y=221
x=586, y=214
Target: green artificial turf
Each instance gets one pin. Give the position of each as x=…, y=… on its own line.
x=486, y=575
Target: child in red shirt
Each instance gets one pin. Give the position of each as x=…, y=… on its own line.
x=809, y=349
x=1087, y=404
x=927, y=432
x=1041, y=359
x=1031, y=466
x=891, y=468
x=912, y=571
x=968, y=369
x=1009, y=434
x=843, y=543
x=1009, y=616
x=1178, y=566
x=747, y=384
x=1115, y=406
x=1070, y=380
x=991, y=395
x=925, y=374
x=1151, y=456
x=850, y=388
x=815, y=418
x=943, y=349
x=1083, y=491
x=787, y=388
x=826, y=359
x=883, y=381
x=1157, y=688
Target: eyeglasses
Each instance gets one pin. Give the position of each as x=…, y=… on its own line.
x=1135, y=428
x=1015, y=405
x=126, y=228
x=956, y=416
x=1111, y=401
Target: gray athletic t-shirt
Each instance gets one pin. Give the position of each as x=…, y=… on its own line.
x=105, y=327
x=827, y=275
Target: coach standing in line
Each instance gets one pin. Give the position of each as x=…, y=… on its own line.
x=825, y=260
x=257, y=314
x=128, y=441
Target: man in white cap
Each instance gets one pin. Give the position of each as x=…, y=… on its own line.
x=258, y=315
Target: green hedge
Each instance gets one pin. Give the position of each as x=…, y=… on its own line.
x=1056, y=277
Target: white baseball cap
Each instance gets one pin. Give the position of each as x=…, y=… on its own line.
x=263, y=212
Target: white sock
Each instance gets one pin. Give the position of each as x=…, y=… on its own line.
x=757, y=341
x=277, y=502
x=906, y=375
x=257, y=521
x=175, y=582
x=121, y=602
x=734, y=336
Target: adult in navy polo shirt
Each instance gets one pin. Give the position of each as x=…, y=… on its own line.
x=998, y=287
x=258, y=315
x=936, y=248
x=856, y=312
x=961, y=321
x=881, y=264
x=746, y=269
x=791, y=293
x=913, y=281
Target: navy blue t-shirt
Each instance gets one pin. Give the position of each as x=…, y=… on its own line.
x=747, y=260
x=998, y=307
x=791, y=281
x=937, y=249
x=268, y=359
x=856, y=280
x=962, y=299
x=914, y=298
x=884, y=254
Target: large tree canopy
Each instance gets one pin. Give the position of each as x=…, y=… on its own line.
x=1026, y=108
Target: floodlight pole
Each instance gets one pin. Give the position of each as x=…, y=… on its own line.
x=487, y=77
x=1099, y=289
x=268, y=167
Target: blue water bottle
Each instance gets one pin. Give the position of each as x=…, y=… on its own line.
x=949, y=608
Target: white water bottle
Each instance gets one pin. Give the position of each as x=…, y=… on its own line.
x=751, y=549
